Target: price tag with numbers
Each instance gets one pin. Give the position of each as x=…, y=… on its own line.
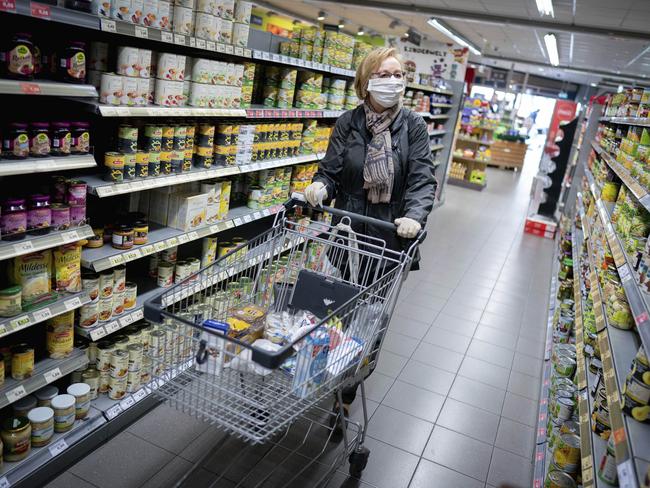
x=41, y=315
x=266, y=56
x=20, y=322
x=239, y=51
x=214, y=228
x=97, y=333
x=108, y=25
x=141, y=32
x=166, y=36
x=257, y=215
x=16, y=393
x=4, y=482
x=247, y=218
x=126, y=320
x=626, y=474
x=115, y=260
x=179, y=39
x=132, y=255
x=127, y=402
x=192, y=236
x=52, y=375
x=140, y=394
x=192, y=42
x=229, y=49
x=113, y=412
x=238, y=222
x=23, y=247
x=137, y=315
x=146, y=250
x=71, y=236
x=72, y=303
x=183, y=238
x=58, y=447
x=159, y=246
x=112, y=327
x=210, y=45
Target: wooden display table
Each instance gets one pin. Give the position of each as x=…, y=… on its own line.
x=506, y=154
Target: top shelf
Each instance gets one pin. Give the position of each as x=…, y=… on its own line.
x=46, y=88
x=641, y=121
x=427, y=88
x=255, y=112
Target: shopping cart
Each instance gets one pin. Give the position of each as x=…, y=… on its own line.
x=265, y=381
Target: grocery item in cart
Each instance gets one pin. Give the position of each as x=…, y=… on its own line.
x=311, y=362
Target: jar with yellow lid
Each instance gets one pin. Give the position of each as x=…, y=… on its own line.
x=16, y=438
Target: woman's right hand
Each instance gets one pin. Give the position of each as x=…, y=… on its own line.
x=315, y=194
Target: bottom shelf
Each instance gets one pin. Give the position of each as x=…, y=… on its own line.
x=466, y=184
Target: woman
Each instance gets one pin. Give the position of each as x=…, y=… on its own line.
x=378, y=162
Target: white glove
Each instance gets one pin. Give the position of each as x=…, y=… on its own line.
x=406, y=227
x=315, y=194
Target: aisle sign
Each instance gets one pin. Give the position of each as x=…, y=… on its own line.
x=7, y=6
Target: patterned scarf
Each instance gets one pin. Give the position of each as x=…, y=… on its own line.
x=378, y=170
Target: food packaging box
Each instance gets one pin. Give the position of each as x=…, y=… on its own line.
x=187, y=211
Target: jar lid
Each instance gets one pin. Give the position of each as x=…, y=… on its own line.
x=81, y=124
x=12, y=290
x=140, y=223
x=47, y=392
x=21, y=348
x=18, y=125
x=39, y=197
x=14, y=202
x=78, y=389
x=15, y=424
x=41, y=125
x=61, y=402
x=40, y=414
x=61, y=125
x=25, y=403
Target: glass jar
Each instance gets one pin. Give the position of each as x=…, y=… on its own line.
x=22, y=361
x=42, y=422
x=24, y=405
x=10, y=301
x=39, y=139
x=45, y=395
x=81, y=392
x=123, y=237
x=18, y=60
x=39, y=215
x=61, y=139
x=64, y=412
x=16, y=438
x=141, y=232
x=72, y=63
x=15, y=143
x=80, y=138
x=13, y=219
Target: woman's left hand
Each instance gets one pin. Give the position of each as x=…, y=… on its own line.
x=407, y=228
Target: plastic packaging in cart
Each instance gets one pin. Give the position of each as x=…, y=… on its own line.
x=244, y=364
x=212, y=359
x=311, y=362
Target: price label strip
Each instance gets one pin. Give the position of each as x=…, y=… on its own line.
x=127, y=402
x=16, y=394
x=113, y=412
x=52, y=375
x=58, y=447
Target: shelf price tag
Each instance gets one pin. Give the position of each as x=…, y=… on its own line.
x=7, y=6
x=71, y=236
x=52, y=375
x=137, y=315
x=626, y=474
x=257, y=215
x=146, y=250
x=98, y=333
x=19, y=322
x=229, y=49
x=139, y=395
x=72, y=303
x=179, y=39
x=127, y=402
x=192, y=42
x=159, y=246
x=16, y=394
x=108, y=25
x=23, y=247
x=183, y=238
x=112, y=327
x=115, y=260
x=200, y=43
x=114, y=411
x=166, y=36
x=58, y=447
x=238, y=222
x=41, y=315
x=132, y=255
x=239, y=51
x=126, y=320
x=4, y=482
x=192, y=236
x=141, y=32
x=247, y=218
x=210, y=45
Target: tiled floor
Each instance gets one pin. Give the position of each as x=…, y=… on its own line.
x=453, y=399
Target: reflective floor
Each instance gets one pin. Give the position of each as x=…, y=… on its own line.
x=454, y=397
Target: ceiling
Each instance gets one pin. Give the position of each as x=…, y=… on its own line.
x=611, y=38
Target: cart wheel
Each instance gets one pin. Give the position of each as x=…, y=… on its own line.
x=358, y=461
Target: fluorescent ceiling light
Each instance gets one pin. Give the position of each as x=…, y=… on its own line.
x=360, y=31
x=341, y=24
x=435, y=23
x=551, y=48
x=545, y=7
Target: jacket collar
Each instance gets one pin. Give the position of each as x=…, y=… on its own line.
x=359, y=121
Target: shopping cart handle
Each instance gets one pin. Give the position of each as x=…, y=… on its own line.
x=298, y=200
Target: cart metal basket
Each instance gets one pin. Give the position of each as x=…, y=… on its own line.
x=208, y=360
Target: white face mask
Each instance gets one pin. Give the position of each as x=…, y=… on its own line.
x=386, y=91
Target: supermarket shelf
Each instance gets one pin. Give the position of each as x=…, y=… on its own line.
x=539, y=468
x=301, y=63
x=13, y=473
x=45, y=371
x=44, y=165
x=261, y=112
x=437, y=147
x=441, y=105
x=127, y=318
x=598, y=445
x=617, y=349
x=641, y=121
x=67, y=302
x=437, y=132
x=106, y=257
x=470, y=160
x=427, y=88
x=97, y=186
x=46, y=88
x=637, y=190
x=438, y=116
x=468, y=139
x=155, y=111
x=33, y=243
x=465, y=184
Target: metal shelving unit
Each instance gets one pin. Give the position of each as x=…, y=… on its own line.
x=162, y=238
x=65, y=303
x=43, y=165
x=437, y=132
x=427, y=88
x=101, y=188
x=45, y=372
x=640, y=121
x=437, y=147
x=33, y=243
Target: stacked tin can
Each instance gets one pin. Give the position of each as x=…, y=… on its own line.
x=309, y=90
x=278, y=86
x=636, y=392
x=351, y=100
x=215, y=84
x=334, y=90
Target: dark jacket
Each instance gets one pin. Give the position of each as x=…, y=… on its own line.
x=414, y=185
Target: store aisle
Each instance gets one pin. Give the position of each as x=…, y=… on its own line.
x=454, y=395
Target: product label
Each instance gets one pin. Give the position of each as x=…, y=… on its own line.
x=39, y=218
x=62, y=422
x=40, y=436
x=40, y=144
x=21, y=61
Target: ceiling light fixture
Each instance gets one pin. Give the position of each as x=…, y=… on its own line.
x=440, y=26
x=360, y=32
x=551, y=48
x=545, y=7
x=321, y=15
x=341, y=24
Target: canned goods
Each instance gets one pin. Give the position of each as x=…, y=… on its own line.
x=119, y=363
x=127, y=135
x=157, y=341
x=141, y=164
x=154, y=164
x=89, y=314
x=121, y=341
x=165, y=274
x=566, y=454
x=118, y=304
x=119, y=279
x=105, y=309
x=152, y=138
x=558, y=479
x=104, y=351
x=182, y=271
x=91, y=378
x=90, y=284
x=111, y=88
x=114, y=163
x=130, y=295
x=170, y=254
x=135, y=356
x=133, y=381
x=104, y=379
x=117, y=387
x=106, y=283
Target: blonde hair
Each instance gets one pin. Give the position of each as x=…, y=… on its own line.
x=369, y=65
